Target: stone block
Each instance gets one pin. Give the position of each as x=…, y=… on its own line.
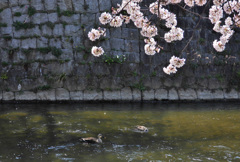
x=37, y=4
x=132, y=46
x=46, y=30
x=76, y=95
x=49, y=95
x=218, y=95
x=88, y=19
x=62, y=94
x=65, y=5
x=117, y=44
x=92, y=6
x=126, y=94
x=6, y=16
x=161, y=94
x=13, y=3
x=148, y=95
x=204, y=95
x=21, y=18
x=105, y=5
x=233, y=94
x=29, y=43
x=15, y=43
x=188, y=94
x=132, y=57
x=7, y=96
x=173, y=94
x=112, y=95
x=72, y=30
x=51, y=5
x=40, y=18
x=92, y=95
x=58, y=30
x=23, y=2
x=55, y=43
x=7, y=31
x=42, y=42
x=53, y=17
x=78, y=5
x=137, y=95
x=1, y=95
x=130, y=34
x=116, y=32
x=74, y=19
x=25, y=96
x=3, y=3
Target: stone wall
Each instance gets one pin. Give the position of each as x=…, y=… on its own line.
x=45, y=55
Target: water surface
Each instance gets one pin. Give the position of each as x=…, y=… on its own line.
x=177, y=132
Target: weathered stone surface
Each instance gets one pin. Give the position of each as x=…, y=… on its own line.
x=29, y=43
x=58, y=30
x=53, y=17
x=148, y=95
x=6, y=16
x=78, y=5
x=65, y=4
x=87, y=19
x=25, y=95
x=126, y=94
x=46, y=30
x=173, y=94
x=76, y=95
x=40, y=18
x=132, y=46
x=13, y=2
x=218, y=94
x=92, y=95
x=161, y=94
x=23, y=2
x=117, y=44
x=74, y=19
x=42, y=42
x=92, y=6
x=233, y=94
x=51, y=5
x=49, y=95
x=71, y=29
x=111, y=95
x=188, y=94
x=204, y=95
x=105, y=5
x=7, y=31
x=3, y=3
x=130, y=34
x=137, y=95
x=62, y=94
x=7, y=96
x=37, y=4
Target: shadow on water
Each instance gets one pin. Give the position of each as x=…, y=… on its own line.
x=177, y=132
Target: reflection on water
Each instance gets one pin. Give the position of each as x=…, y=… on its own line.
x=177, y=132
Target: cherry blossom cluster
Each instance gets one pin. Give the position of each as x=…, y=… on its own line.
x=175, y=62
x=220, y=9
x=216, y=13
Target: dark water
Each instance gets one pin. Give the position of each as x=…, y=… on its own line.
x=177, y=132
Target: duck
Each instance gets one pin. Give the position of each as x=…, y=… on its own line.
x=92, y=139
x=141, y=128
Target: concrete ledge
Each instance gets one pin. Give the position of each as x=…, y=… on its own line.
x=148, y=95
x=76, y=96
x=173, y=94
x=25, y=96
x=8, y=96
x=46, y=95
x=161, y=94
x=92, y=95
x=125, y=94
x=188, y=94
x=112, y=95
